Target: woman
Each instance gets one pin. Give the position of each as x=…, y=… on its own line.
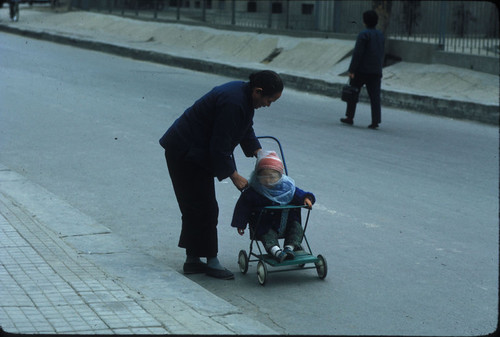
x=199, y=146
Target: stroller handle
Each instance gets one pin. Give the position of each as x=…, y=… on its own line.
x=281, y=150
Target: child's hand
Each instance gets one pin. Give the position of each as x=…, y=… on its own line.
x=241, y=231
x=308, y=203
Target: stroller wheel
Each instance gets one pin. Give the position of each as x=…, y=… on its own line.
x=321, y=267
x=243, y=261
x=261, y=273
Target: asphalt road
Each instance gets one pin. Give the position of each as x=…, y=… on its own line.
x=406, y=216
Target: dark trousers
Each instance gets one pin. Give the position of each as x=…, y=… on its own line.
x=13, y=8
x=372, y=83
x=195, y=192
x=293, y=236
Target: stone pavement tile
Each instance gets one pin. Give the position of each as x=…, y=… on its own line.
x=184, y=318
x=47, y=287
x=157, y=309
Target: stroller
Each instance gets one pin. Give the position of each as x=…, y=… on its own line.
x=302, y=256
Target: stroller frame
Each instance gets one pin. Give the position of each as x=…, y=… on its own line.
x=302, y=257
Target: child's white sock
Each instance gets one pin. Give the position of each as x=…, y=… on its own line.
x=291, y=247
x=275, y=250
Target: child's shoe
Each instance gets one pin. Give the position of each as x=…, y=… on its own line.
x=280, y=256
x=290, y=255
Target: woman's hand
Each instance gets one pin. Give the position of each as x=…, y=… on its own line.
x=241, y=231
x=308, y=203
x=240, y=182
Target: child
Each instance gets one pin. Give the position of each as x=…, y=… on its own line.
x=269, y=186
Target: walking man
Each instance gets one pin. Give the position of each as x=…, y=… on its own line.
x=366, y=68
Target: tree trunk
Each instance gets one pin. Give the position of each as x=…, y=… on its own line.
x=383, y=9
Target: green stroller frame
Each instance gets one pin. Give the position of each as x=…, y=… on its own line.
x=302, y=257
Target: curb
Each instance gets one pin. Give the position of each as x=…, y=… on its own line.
x=483, y=113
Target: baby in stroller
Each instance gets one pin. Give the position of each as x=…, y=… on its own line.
x=269, y=186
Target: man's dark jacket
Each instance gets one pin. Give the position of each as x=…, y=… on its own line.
x=368, y=55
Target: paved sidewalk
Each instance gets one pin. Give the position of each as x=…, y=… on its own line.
x=47, y=286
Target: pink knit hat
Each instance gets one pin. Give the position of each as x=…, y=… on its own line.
x=269, y=160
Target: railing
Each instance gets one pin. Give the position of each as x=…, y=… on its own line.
x=455, y=26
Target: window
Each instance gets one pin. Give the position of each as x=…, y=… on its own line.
x=307, y=9
x=277, y=7
x=180, y=3
x=252, y=6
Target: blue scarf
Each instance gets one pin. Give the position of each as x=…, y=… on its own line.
x=281, y=192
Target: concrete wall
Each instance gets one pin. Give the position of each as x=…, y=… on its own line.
x=485, y=64
x=410, y=51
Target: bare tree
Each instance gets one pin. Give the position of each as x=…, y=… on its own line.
x=411, y=15
x=383, y=9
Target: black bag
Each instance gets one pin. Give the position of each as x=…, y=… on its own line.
x=350, y=94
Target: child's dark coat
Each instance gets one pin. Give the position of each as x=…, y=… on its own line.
x=250, y=204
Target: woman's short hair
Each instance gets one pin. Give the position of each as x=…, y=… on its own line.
x=268, y=80
x=370, y=18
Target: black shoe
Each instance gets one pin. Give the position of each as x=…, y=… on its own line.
x=219, y=273
x=194, y=267
x=373, y=126
x=347, y=121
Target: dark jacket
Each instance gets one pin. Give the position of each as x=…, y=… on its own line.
x=251, y=203
x=208, y=131
x=368, y=55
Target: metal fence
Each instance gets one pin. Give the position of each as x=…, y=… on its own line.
x=453, y=26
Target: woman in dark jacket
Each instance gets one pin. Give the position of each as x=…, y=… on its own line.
x=199, y=146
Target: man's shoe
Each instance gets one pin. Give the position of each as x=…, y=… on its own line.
x=347, y=121
x=373, y=126
x=194, y=267
x=222, y=274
